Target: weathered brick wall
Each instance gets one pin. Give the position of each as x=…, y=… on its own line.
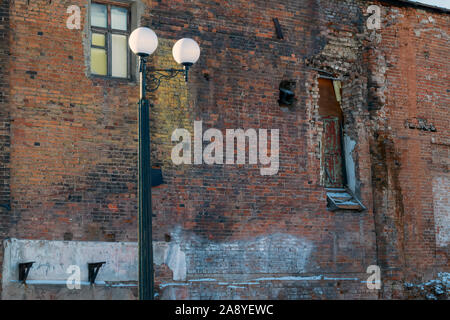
x=72, y=156
x=242, y=235
x=4, y=124
x=73, y=137
x=410, y=74
x=224, y=210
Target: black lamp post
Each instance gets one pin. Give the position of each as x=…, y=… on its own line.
x=143, y=42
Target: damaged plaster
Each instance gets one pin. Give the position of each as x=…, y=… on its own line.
x=171, y=255
x=53, y=258
x=441, y=190
x=275, y=253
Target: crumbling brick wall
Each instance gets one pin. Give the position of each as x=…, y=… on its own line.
x=226, y=207
x=73, y=155
x=407, y=81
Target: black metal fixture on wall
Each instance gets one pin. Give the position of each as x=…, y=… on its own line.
x=24, y=269
x=287, y=95
x=93, y=269
x=143, y=42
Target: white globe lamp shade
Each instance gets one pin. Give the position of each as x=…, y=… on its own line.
x=186, y=51
x=143, y=41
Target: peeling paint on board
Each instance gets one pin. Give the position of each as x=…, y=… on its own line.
x=349, y=146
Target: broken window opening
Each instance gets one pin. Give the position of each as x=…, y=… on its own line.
x=287, y=96
x=330, y=112
x=336, y=150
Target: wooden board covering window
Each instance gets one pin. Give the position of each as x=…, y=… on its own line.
x=331, y=153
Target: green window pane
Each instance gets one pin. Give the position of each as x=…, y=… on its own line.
x=119, y=56
x=119, y=18
x=98, y=39
x=99, y=61
x=99, y=15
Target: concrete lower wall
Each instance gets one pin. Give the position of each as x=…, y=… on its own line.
x=60, y=270
x=16, y=291
x=57, y=264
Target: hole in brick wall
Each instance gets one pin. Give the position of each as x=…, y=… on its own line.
x=31, y=73
x=287, y=95
x=74, y=198
x=167, y=237
x=68, y=236
x=110, y=237
x=206, y=76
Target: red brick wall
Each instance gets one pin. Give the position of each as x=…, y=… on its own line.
x=74, y=141
x=73, y=137
x=411, y=48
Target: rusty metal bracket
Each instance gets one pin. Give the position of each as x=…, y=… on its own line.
x=24, y=269
x=93, y=270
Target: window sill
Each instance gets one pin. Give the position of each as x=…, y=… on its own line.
x=343, y=199
x=107, y=78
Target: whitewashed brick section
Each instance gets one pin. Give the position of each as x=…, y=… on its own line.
x=441, y=203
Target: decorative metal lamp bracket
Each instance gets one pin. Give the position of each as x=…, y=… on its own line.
x=93, y=270
x=155, y=76
x=24, y=268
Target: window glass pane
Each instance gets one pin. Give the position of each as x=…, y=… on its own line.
x=119, y=18
x=98, y=15
x=98, y=61
x=98, y=39
x=119, y=55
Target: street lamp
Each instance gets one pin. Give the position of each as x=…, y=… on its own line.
x=143, y=42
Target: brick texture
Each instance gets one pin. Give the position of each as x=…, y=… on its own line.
x=5, y=135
